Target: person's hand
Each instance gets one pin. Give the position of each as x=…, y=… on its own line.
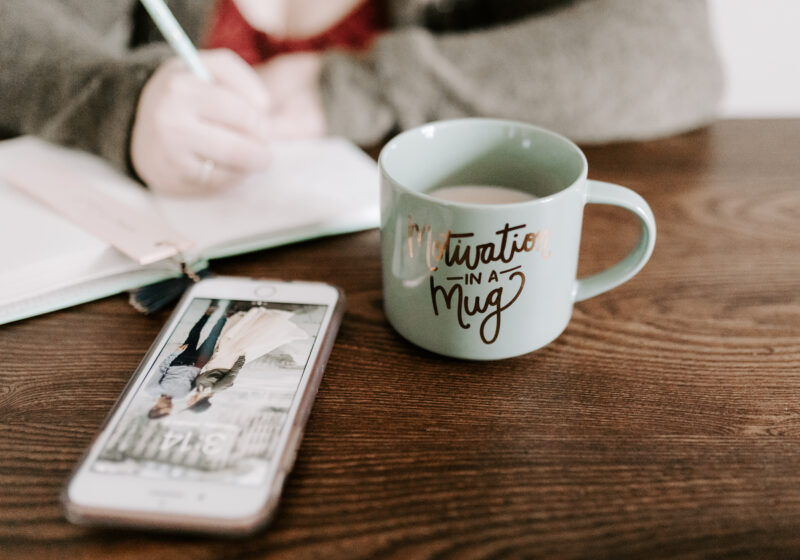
x=292, y=81
x=193, y=137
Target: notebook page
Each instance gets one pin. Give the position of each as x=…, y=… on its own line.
x=315, y=188
x=41, y=252
x=93, y=195
x=312, y=187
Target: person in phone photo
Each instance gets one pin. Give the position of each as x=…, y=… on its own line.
x=248, y=335
x=178, y=371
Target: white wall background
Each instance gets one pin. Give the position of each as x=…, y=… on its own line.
x=759, y=41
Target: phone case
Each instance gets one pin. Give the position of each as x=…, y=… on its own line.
x=286, y=459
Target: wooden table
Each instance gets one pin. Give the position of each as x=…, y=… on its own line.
x=665, y=421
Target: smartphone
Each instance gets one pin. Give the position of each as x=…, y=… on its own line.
x=207, y=429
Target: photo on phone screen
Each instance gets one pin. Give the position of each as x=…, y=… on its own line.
x=214, y=403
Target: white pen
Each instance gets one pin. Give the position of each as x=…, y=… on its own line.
x=176, y=37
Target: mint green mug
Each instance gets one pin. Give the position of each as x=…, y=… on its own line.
x=480, y=233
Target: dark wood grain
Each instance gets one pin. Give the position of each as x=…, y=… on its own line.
x=664, y=423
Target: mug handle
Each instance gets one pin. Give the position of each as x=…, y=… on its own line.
x=599, y=192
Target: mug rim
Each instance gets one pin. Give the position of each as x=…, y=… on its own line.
x=449, y=123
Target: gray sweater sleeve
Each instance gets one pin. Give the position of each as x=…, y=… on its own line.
x=596, y=71
x=62, y=81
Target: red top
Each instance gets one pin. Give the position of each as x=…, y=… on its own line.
x=230, y=30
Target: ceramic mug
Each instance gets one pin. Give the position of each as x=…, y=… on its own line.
x=491, y=281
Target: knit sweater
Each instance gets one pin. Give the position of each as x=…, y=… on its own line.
x=594, y=70
x=71, y=71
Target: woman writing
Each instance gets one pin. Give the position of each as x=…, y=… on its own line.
x=96, y=76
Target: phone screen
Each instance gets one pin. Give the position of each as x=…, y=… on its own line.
x=213, y=405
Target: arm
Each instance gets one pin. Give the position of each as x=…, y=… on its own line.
x=141, y=109
x=597, y=71
x=163, y=367
x=63, y=82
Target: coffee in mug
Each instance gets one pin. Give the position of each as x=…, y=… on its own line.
x=480, y=234
x=481, y=194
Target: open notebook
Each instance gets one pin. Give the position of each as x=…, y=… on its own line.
x=48, y=262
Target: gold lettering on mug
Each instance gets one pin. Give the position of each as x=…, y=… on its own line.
x=469, y=306
x=423, y=237
x=458, y=249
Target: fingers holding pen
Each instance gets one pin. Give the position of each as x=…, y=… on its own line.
x=231, y=72
x=222, y=108
x=192, y=136
x=227, y=147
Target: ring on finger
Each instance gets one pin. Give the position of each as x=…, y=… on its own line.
x=206, y=170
